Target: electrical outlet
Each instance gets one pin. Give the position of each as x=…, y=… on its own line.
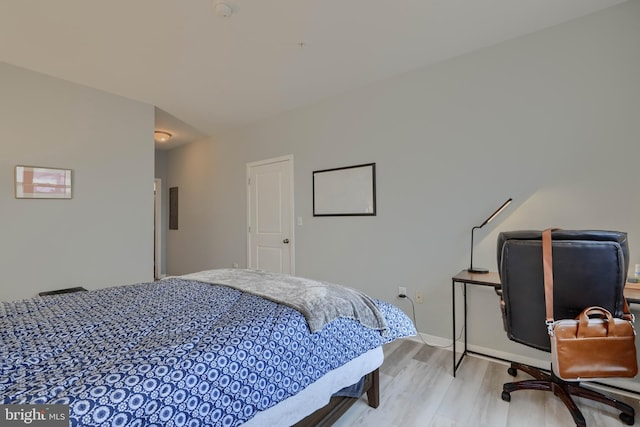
x=419, y=299
x=402, y=290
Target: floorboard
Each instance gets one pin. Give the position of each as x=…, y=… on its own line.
x=418, y=390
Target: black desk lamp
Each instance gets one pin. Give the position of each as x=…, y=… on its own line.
x=471, y=269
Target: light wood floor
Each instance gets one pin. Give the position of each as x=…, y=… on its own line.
x=418, y=390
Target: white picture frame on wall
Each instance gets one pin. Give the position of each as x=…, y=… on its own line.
x=35, y=182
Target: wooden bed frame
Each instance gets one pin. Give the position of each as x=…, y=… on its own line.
x=338, y=405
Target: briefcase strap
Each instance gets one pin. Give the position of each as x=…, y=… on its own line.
x=547, y=265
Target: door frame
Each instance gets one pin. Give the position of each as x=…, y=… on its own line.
x=289, y=161
x=157, y=227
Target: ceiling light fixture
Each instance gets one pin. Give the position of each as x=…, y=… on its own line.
x=161, y=136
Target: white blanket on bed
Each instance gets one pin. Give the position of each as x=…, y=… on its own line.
x=319, y=302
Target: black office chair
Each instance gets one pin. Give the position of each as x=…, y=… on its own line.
x=589, y=268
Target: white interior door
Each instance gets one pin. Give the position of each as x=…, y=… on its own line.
x=269, y=215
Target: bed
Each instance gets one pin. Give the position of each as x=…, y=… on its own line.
x=210, y=349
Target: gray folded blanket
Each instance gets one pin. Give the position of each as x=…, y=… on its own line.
x=319, y=302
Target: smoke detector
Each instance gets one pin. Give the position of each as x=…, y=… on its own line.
x=222, y=9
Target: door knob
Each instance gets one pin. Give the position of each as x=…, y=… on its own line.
x=285, y=241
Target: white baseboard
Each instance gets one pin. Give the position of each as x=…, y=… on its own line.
x=625, y=387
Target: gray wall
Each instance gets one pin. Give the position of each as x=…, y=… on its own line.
x=104, y=235
x=551, y=119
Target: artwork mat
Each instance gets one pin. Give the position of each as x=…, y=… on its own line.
x=345, y=191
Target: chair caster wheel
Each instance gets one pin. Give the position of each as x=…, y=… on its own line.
x=506, y=396
x=627, y=419
x=512, y=371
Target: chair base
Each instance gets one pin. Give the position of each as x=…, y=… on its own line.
x=564, y=390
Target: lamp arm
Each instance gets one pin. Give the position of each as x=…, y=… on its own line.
x=497, y=212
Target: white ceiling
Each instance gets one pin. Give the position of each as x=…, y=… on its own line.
x=208, y=74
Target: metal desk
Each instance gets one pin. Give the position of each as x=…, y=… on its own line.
x=482, y=279
x=631, y=292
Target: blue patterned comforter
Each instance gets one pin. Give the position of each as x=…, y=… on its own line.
x=170, y=353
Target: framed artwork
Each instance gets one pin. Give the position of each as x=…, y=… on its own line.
x=34, y=182
x=347, y=191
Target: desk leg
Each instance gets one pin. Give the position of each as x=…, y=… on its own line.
x=456, y=363
x=453, y=298
x=464, y=292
